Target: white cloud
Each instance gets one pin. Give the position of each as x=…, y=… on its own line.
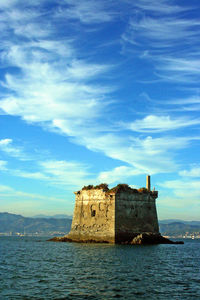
x=186, y=190
x=8, y=3
x=31, y=175
x=118, y=174
x=59, y=86
x=191, y=103
x=193, y=172
x=155, y=124
x=151, y=36
x=87, y=12
x=184, y=104
x=82, y=70
x=6, y=145
x=66, y=173
x=143, y=156
x=55, y=88
x=149, y=155
x=5, y=188
x=160, y=33
x=5, y=142
x=7, y=192
x=180, y=69
x=18, y=201
x=160, y=7
x=3, y=165
x=183, y=101
x=32, y=31
x=190, y=66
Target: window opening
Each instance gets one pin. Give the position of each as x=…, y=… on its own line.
x=93, y=213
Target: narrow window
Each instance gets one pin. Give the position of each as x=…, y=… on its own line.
x=93, y=213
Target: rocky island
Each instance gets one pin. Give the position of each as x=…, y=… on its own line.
x=121, y=215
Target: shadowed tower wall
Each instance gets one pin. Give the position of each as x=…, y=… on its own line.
x=135, y=213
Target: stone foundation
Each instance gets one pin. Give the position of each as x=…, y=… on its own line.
x=145, y=238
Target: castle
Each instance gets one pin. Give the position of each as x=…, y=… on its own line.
x=114, y=215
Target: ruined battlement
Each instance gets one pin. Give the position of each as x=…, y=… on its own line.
x=113, y=215
x=120, y=188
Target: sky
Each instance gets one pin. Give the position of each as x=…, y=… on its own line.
x=99, y=92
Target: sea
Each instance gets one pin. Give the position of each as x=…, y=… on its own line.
x=33, y=268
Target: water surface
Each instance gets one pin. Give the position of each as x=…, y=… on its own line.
x=32, y=268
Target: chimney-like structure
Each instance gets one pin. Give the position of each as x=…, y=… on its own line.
x=148, y=183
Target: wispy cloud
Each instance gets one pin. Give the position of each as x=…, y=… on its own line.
x=8, y=3
x=164, y=6
x=155, y=124
x=30, y=175
x=87, y=13
x=6, y=145
x=147, y=155
x=183, y=101
x=56, y=87
x=180, y=69
x=18, y=201
x=184, y=104
x=5, y=188
x=193, y=172
x=64, y=174
x=118, y=174
x=138, y=153
x=3, y=165
x=183, y=188
x=179, y=198
x=7, y=191
x=50, y=76
x=173, y=53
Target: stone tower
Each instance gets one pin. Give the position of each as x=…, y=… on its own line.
x=113, y=215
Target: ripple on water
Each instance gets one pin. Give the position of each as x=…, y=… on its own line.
x=41, y=270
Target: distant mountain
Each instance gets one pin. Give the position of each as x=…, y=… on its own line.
x=176, y=229
x=56, y=225
x=168, y=221
x=11, y=223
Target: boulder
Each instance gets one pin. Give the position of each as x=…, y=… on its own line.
x=152, y=239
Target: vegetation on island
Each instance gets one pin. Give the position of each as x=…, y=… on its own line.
x=121, y=187
x=102, y=186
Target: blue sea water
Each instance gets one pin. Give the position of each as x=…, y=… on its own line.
x=32, y=268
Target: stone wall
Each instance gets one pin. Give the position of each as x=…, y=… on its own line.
x=135, y=213
x=94, y=216
x=113, y=216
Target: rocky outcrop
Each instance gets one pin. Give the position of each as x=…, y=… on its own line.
x=152, y=239
x=141, y=239
x=69, y=240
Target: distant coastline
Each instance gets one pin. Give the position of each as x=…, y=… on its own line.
x=17, y=225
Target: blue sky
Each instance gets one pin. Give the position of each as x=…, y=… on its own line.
x=99, y=91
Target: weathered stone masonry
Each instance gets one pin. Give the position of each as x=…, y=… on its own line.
x=116, y=215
